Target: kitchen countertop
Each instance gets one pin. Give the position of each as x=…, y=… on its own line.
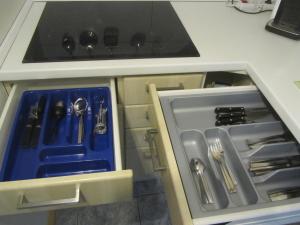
x=225, y=38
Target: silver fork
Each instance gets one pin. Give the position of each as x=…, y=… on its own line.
x=217, y=152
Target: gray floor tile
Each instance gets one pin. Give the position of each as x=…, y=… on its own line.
x=148, y=187
x=123, y=213
x=153, y=210
x=66, y=216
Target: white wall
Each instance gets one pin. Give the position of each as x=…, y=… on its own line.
x=9, y=9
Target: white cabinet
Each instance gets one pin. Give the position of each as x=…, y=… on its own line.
x=134, y=98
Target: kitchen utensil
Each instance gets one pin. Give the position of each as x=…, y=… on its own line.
x=58, y=113
x=238, y=115
x=100, y=126
x=217, y=152
x=198, y=167
x=260, y=167
x=33, y=125
x=282, y=194
x=80, y=107
x=256, y=143
x=243, y=110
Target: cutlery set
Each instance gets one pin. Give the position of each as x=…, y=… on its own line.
x=238, y=115
x=60, y=132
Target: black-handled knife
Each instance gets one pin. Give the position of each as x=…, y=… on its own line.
x=229, y=109
x=231, y=121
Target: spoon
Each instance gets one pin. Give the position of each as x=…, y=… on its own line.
x=80, y=106
x=198, y=167
x=59, y=112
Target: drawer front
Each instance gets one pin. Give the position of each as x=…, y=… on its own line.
x=137, y=116
x=61, y=192
x=139, y=160
x=166, y=164
x=135, y=138
x=130, y=86
x=67, y=191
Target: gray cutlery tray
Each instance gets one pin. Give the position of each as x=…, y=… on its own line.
x=190, y=120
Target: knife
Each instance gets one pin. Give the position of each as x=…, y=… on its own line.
x=38, y=114
x=219, y=110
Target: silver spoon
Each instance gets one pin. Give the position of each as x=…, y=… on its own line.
x=198, y=167
x=80, y=107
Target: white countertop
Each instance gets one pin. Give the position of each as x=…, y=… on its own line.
x=225, y=38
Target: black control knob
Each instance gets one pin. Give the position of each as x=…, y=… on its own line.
x=68, y=43
x=111, y=36
x=138, y=40
x=88, y=39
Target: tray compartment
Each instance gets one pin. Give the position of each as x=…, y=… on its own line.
x=100, y=142
x=246, y=194
x=195, y=147
x=271, y=151
x=202, y=107
x=281, y=179
x=51, y=123
x=63, y=151
x=72, y=168
x=239, y=134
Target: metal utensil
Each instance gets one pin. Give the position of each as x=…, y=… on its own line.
x=198, y=167
x=100, y=126
x=58, y=113
x=217, y=152
x=80, y=107
x=260, y=167
x=33, y=126
x=256, y=143
x=282, y=194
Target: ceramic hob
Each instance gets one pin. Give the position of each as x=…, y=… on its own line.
x=69, y=31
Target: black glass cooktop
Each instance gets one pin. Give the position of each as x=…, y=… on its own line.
x=69, y=31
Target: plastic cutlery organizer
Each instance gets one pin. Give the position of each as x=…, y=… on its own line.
x=59, y=154
x=191, y=124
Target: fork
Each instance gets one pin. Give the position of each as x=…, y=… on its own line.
x=217, y=152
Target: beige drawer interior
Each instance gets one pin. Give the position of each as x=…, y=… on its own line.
x=137, y=116
x=164, y=161
x=66, y=191
x=129, y=86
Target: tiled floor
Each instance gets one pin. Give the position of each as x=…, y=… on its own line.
x=148, y=207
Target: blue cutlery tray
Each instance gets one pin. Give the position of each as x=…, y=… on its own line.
x=61, y=155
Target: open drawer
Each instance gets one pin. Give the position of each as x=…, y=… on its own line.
x=186, y=129
x=51, y=188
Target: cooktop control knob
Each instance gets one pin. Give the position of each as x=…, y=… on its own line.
x=68, y=43
x=88, y=39
x=138, y=40
x=111, y=36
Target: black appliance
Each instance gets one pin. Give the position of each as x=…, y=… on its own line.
x=91, y=30
x=287, y=19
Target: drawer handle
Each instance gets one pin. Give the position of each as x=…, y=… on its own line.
x=150, y=138
x=23, y=202
x=179, y=87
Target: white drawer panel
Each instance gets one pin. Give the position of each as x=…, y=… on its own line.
x=60, y=192
x=137, y=116
x=134, y=90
